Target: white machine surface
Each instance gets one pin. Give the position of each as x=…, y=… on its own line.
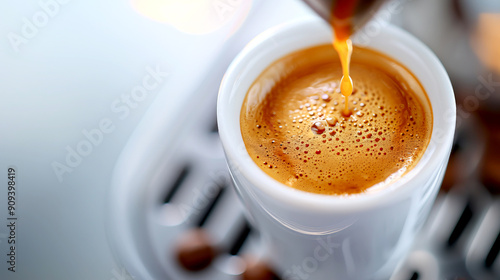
x=101, y=102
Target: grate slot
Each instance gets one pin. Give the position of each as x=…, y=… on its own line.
x=462, y=223
x=215, y=127
x=415, y=276
x=493, y=253
x=240, y=238
x=210, y=207
x=457, y=144
x=177, y=183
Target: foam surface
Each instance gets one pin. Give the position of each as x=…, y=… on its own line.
x=293, y=128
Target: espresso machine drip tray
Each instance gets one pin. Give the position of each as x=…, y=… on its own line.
x=173, y=213
x=176, y=216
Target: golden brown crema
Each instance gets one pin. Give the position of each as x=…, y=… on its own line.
x=293, y=127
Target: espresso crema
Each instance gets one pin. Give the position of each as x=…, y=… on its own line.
x=294, y=129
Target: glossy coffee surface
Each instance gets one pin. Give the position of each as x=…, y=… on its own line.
x=295, y=129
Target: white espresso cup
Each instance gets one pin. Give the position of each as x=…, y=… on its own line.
x=315, y=236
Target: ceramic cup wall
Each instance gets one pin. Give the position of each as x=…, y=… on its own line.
x=314, y=236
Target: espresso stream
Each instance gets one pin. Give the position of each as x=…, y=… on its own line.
x=341, y=23
x=293, y=127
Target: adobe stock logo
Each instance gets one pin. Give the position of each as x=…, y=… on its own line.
x=322, y=252
x=31, y=26
x=121, y=107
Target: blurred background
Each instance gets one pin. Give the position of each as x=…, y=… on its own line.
x=108, y=116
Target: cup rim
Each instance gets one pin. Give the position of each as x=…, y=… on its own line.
x=236, y=152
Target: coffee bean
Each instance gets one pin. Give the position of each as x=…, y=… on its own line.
x=194, y=250
x=258, y=270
